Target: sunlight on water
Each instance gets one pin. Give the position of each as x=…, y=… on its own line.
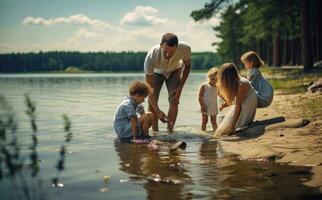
x=98, y=167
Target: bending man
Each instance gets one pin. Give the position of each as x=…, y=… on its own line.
x=164, y=63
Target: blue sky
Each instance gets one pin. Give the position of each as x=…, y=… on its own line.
x=100, y=25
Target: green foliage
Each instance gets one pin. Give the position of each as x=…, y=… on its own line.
x=77, y=62
x=312, y=107
x=290, y=80
x=272, y=28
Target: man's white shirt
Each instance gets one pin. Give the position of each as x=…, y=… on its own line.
x=155, y=62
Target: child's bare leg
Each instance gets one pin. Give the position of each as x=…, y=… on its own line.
x=204, y=122
x=146, y=120
x=213, y=122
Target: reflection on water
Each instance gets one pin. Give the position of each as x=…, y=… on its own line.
x=199, y=172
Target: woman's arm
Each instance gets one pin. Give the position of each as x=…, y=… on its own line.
x=134, y=127
x=242, y=91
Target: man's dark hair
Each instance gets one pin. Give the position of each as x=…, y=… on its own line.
x=170, y=39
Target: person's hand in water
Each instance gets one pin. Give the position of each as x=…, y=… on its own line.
x=162, y=116
x=170, y=127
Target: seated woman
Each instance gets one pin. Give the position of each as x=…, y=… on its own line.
x=239, y=101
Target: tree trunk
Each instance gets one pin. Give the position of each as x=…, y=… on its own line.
x=299, y=52
x=263, y=50
x=269, y=54
x=276, y=51
x=285, y=54
x=305, y=34
x=318, y=10
x=293, y=51
x=314, y=46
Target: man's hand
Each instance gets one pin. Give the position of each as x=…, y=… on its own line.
x=162, y=116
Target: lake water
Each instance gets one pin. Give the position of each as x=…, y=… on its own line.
x=136, y=172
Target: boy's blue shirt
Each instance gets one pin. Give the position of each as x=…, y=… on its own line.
x=122, y=118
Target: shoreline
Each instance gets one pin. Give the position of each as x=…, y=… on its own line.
x=285, y=134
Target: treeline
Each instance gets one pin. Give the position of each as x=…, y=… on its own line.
x=91, y=61
x=283, y=32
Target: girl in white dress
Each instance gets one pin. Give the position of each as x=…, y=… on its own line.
x=208, y=100
x=240, y=100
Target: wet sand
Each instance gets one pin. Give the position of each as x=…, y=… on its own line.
x=285, y=133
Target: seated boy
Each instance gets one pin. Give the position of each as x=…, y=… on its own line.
x=127, y=125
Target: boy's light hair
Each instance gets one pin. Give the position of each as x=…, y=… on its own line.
x=252, y=56
x=228, y=81
x=141, y=88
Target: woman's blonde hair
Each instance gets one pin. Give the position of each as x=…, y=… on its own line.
x=228, y=82
x=212, y=72
x=253, y=57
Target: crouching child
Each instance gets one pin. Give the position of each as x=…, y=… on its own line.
x=131, y=123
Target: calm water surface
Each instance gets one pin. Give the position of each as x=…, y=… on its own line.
x=199, y=172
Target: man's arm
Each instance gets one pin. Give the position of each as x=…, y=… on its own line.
x=149, y=78
x=185, y=74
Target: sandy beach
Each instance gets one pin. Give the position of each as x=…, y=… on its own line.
x=285, y=132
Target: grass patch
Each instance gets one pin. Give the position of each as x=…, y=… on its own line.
x=290, y=81
x=310, y=107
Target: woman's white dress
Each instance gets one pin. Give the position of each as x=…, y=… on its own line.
x=247, y=115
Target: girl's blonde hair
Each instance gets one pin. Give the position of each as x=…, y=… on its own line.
x=253, y=57
x=228, y=82
x=212, y=72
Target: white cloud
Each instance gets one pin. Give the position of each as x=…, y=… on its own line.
x=143, y=16
x=78, y=19
x=121, y=37
x=82, y=34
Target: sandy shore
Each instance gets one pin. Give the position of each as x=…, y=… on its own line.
x=283, y=132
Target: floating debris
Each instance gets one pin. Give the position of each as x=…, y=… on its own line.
x=104, y=189
x=60, y=185
x=124, y=180
x=106, y=179
x=172, y=165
